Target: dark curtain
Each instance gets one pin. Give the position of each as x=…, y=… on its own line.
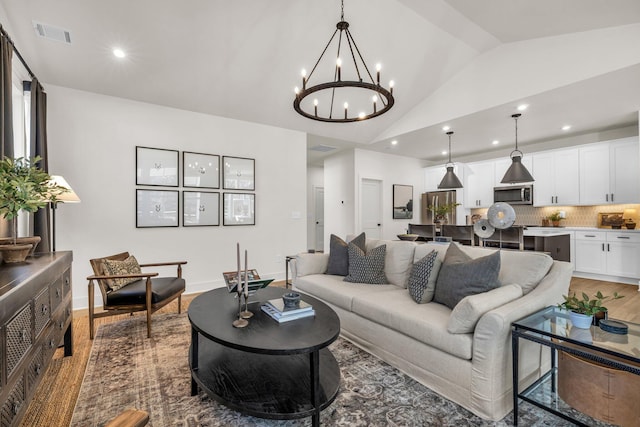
x=38, y=147
x=6, y=113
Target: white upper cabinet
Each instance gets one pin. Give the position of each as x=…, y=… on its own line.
x=609, y=172
x=557, y=178
x=478, y=184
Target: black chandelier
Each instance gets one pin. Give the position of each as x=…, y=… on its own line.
x=517, y=172
x=379, y=100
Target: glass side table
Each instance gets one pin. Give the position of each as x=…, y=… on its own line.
x=552, y=328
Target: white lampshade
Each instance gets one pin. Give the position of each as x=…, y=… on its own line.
x=68, y=196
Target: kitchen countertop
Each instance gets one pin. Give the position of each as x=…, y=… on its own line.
x=545, y=231
x=562, y=230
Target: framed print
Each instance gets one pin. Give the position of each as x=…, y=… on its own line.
x=200, y=170
x=238, y=173
x=239, y=209
x=157, y=208
x=402, y=201
x=200, y=208
x=156, y=166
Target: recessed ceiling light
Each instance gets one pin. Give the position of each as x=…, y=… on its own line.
x=495, y=142
x=522, y=107
x=566, y=127
x=394, y=142
x=444, y=153
x=118, y=53
x=445, y=128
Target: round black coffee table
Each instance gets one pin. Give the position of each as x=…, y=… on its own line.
x=267, y=369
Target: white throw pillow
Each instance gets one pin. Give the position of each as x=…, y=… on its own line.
x=470, y=309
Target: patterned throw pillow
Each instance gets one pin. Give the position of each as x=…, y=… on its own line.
x=338, y=255
x=460, y=276
x=422, y=279
x=113, y=267
x=366, y=268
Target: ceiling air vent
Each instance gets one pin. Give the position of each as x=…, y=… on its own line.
x=50, y=32
x=322, y=148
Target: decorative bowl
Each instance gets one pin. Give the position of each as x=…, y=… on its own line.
x=410, y=237
x=291, y=299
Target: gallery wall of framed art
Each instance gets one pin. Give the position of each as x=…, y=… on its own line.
x=200, y=175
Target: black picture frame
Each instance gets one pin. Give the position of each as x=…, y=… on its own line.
x=200, y=208
x=238, y=173
x=200, y=170
x=239, y=209
x=157, y=208
x=157, y=167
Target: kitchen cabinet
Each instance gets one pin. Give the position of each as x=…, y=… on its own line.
x=610, y=172
x=478, y=184
x=613, y=253
x=557, y=178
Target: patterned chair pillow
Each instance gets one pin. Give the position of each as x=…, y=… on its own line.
x=422, y=279
x=113, y=267
x=366, y=268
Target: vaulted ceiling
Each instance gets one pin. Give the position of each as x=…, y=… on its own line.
x=463, y=63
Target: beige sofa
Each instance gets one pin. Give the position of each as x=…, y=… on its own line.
x=472, y=369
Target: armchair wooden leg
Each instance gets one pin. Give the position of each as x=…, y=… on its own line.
x=148, y=295
x=91, y=309
x=179, y=303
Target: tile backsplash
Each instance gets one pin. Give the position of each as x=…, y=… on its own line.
x=576, y=216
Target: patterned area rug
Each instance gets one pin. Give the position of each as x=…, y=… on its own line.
x=128, y=370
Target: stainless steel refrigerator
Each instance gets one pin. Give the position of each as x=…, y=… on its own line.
x=437, y=198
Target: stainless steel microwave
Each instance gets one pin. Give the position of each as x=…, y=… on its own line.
x=514, y=195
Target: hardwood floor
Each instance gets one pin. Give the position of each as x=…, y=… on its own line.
x=55, y=398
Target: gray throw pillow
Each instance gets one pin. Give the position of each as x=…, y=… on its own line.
x=460, y=276
x=338, y=256
x=366, y=268
x=422, y=279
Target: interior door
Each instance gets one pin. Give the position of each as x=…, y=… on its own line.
x=319, y=218
x=371, y=208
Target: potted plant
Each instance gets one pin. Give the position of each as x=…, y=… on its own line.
x=555, y=218
x=440, y=212
x=582, y=310
x=23, y=186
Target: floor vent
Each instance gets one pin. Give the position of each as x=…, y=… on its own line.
x=322, y=148
x=50, y=32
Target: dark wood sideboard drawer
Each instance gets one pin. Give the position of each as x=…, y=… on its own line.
x=13, y=404
x=42, y=311
x=55, y=293
x=18, y=338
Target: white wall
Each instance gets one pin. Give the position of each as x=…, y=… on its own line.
x=92, y=140
x=315, y=179
x=343, y=173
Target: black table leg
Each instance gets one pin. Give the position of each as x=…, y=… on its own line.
x=68, y=340
x=194, y=360
x=314, y=361
x=514, y=357
x=553, y=370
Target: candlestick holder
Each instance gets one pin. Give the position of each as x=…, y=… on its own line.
x=246, y=314
x=240, y=322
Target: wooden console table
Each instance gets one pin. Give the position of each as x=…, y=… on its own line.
x=35, y=317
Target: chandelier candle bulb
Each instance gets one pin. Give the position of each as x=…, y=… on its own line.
x=375, y=107
x=346, y=106
x=391, y=85
x=378, y=68
x=339, y=65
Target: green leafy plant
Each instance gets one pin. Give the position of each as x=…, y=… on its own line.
x=24, y=186
x=442, y=210
x=587, y=305
x=555, y=216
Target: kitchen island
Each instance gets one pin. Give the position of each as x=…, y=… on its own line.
x=555, y=241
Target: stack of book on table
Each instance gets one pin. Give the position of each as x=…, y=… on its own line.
x=276, y=309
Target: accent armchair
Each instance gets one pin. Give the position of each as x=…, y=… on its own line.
x=144, y=292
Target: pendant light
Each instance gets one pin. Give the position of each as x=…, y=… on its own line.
x=450, y=180
x=517, y=172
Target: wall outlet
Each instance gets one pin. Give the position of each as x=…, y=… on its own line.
x=563, y=214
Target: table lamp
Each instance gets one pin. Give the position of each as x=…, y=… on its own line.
x=67, y=197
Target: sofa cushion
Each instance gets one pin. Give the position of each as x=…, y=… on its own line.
x=467, y=312
x=307, y=264
x=398, y=260
x=526, y=268
x=112, y=267
x=334, y=290
x=423, y=249
x=338, y=255
x=461, y=275
x=426, y=323
x=366, y=267
x=422, y=280
x=136, y=291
